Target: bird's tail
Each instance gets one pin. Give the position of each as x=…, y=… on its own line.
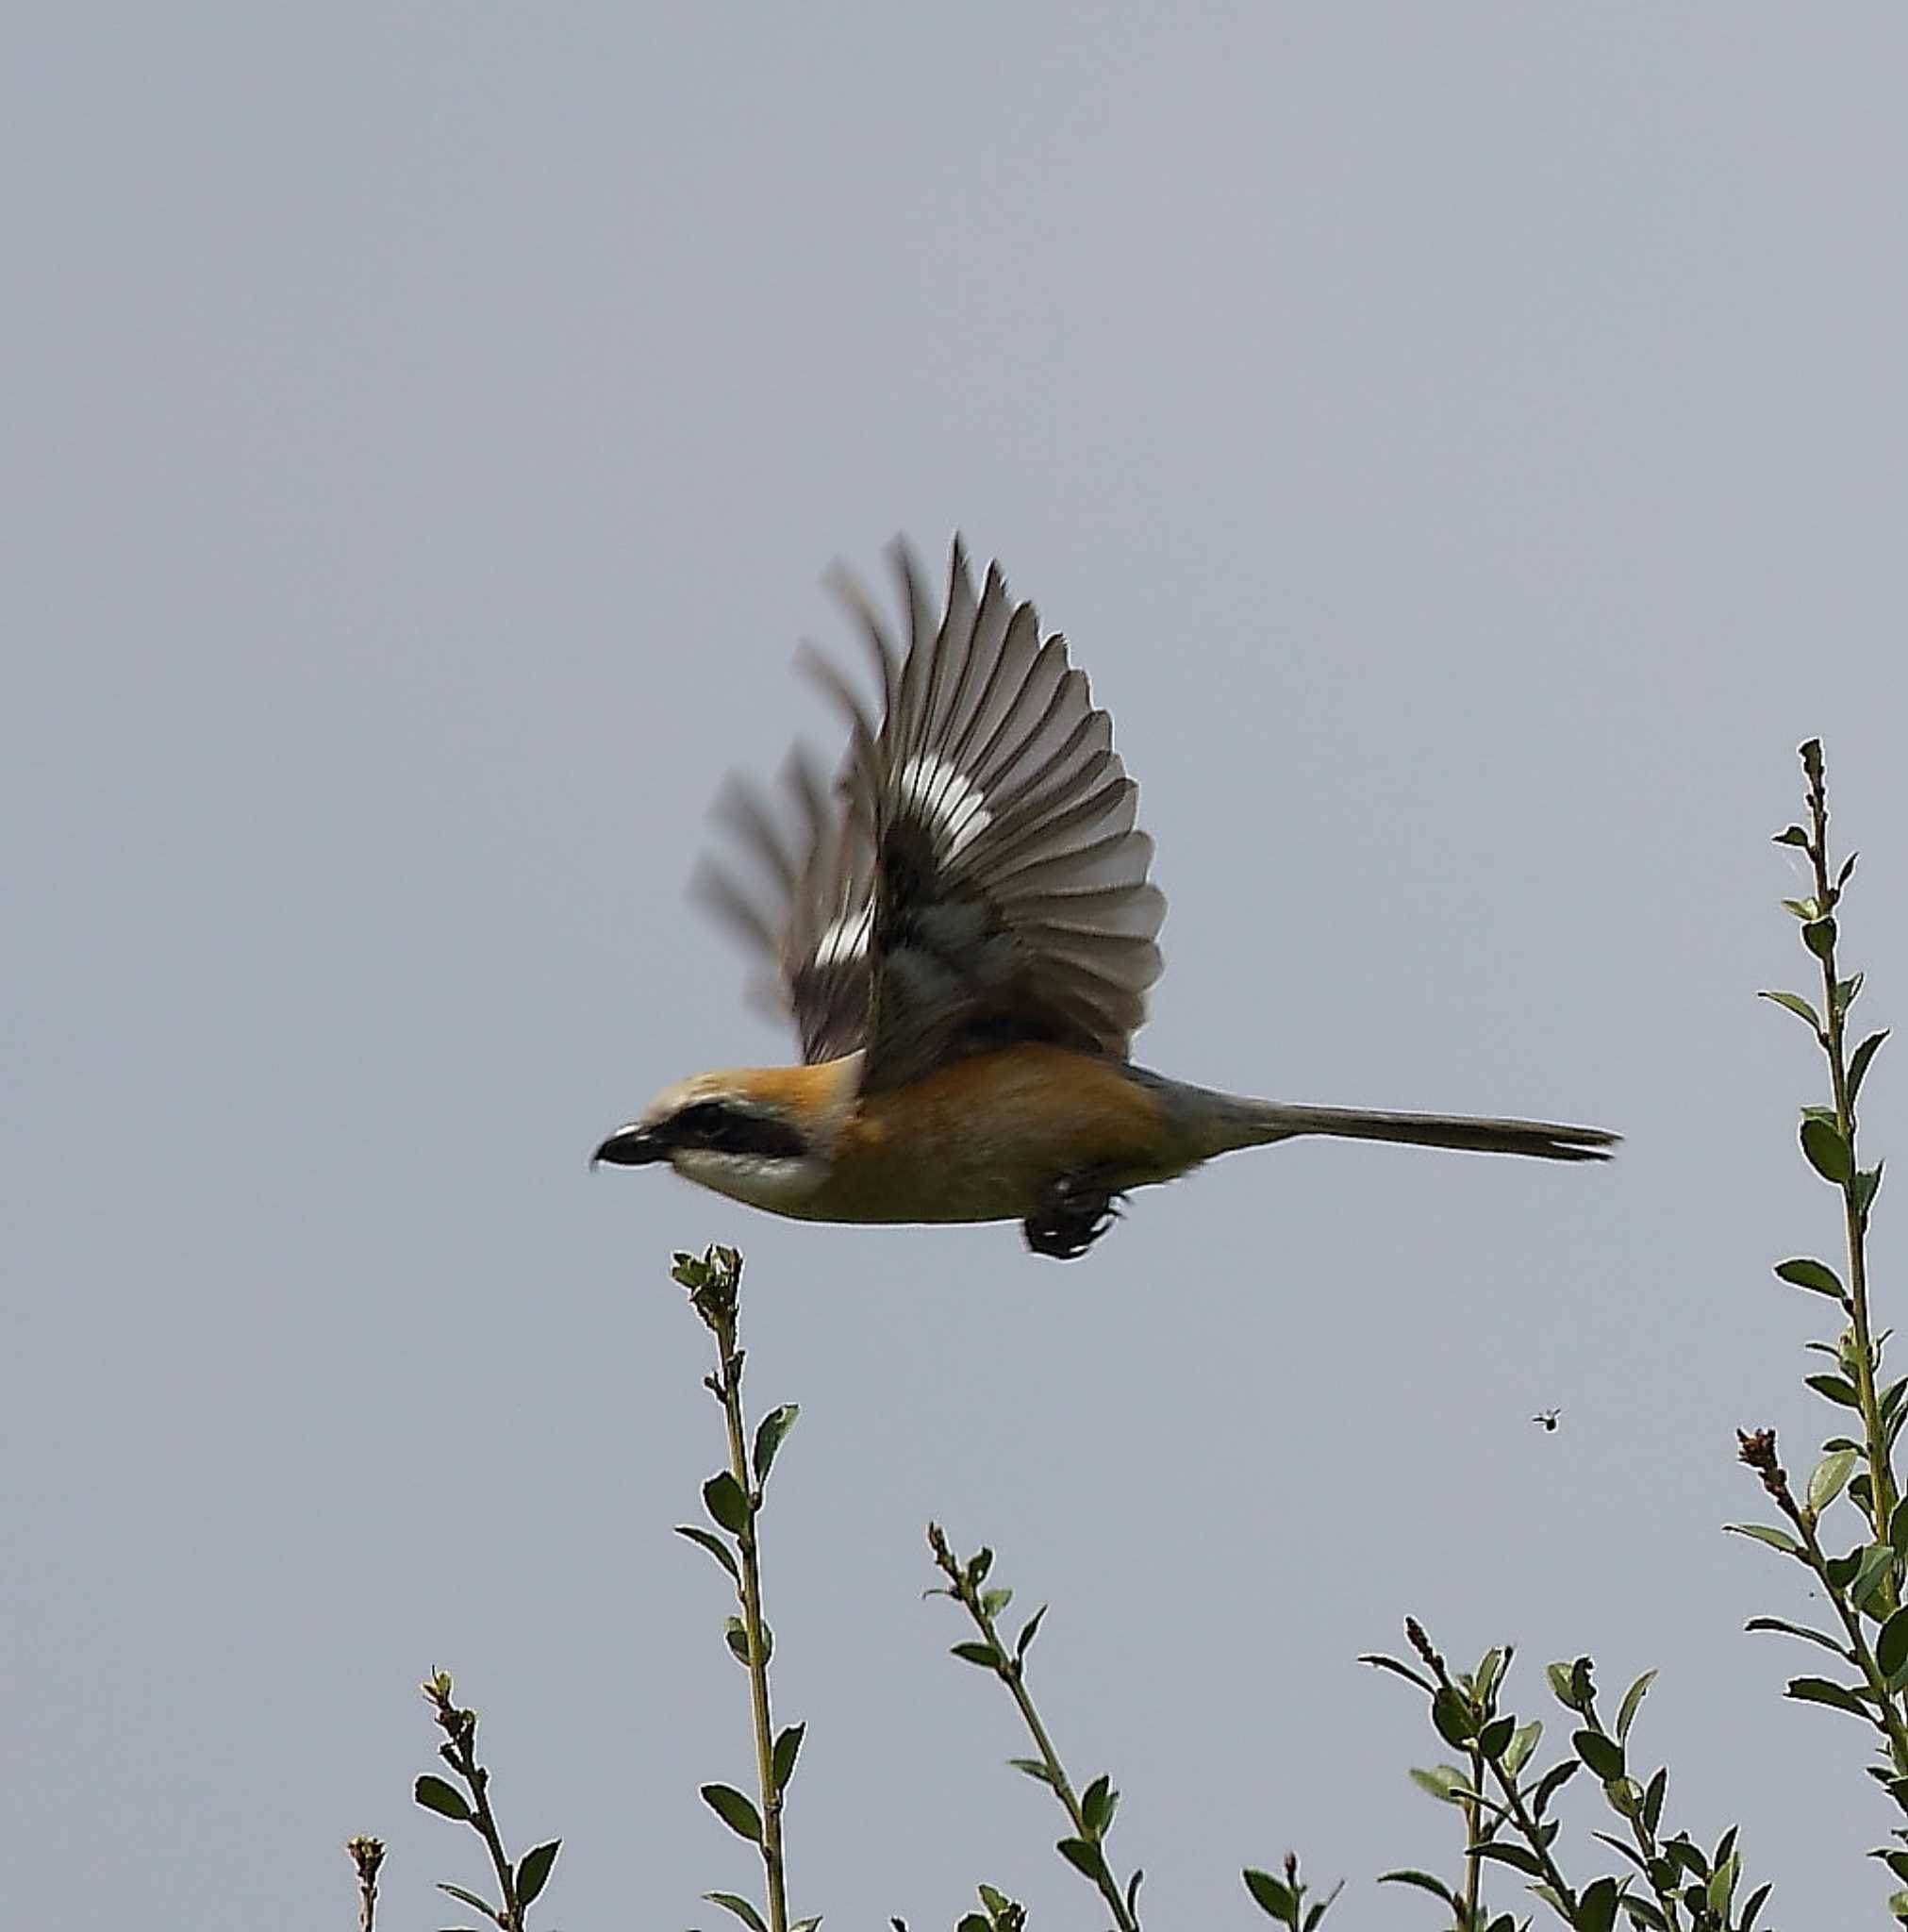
x=1256, y=1121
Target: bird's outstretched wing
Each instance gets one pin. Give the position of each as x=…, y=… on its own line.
x=976, y=877
x=816, y=924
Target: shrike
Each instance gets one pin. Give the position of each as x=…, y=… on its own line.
x=963, y=932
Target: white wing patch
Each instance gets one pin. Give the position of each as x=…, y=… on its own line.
x=846, y=940
x=950, y=804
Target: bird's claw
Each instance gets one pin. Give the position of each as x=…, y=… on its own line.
x=1072, y=1212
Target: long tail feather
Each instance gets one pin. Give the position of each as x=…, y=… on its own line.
x=1279, y=1120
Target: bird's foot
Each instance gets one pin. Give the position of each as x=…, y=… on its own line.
x=1072, y=1213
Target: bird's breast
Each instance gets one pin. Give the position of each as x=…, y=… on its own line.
x=979, y=1140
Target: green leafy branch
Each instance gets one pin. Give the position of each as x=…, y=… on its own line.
x=733, y=1497
x=1673, y=1885
x=1285, y=1900
x=1829, y=1145
x=519, y=1885
x=1089, y=1812
x=1865, y=1583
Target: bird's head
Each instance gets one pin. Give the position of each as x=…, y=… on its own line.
x=762, y=1135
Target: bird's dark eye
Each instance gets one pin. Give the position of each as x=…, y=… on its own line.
x=728, y=1129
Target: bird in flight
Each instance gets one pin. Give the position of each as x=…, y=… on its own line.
x=963, y=932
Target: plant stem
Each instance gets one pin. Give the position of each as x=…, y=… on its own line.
x=729, y=1387
x=459, y=1751
x=1882, y=1493
x=1473, y=1855
x=367, y=1855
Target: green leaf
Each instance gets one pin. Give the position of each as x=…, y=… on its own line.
x=1424, y=1882
x=723, y=1499
x=1898, y=1528
x=1876, y=1566
x=470, y=1898
x=768, y=1433
x=1397, y=1669
x=788, y=1748
x=1775, y=1539
x=735, y=1902
x=1868, y=1184
x=1443, y=1782
x=1818, y=935
x=1523, y=1741
x=1034, y=1768
x=434, y=1795
x=1029, y=1630
x=1802, y=1273
x=1271, y=1897
x=1827, y=1152
x=1791, y=835
x=1625, y=1795
x=1626, y=1711
x=1452, y=1718
x=1550, y=1783
x=1597, y=1905
x=1095, y=1806
x=1494, y=1739
x=736, y=1633
x=1084, y=1856
x=1511, y=1854
x=1488, y=1674
x=1801, y=1630
x=1891, y=1646
x=1838, y=1388
x=976, y=1653
x=1604, y=1756
x=1831, y=1473
x=713, y=1544
x=1820, y=1690
x=1721, y=1886
x=1858, y=1064
x=735, y=1810
x=533, y=1869
x=1796, y=1004
x=1848, y=991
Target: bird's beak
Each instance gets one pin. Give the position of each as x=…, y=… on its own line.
x=632, y=1146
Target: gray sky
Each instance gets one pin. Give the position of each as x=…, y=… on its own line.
x=1465, y=447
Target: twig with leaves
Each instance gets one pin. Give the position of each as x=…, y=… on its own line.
x=1089, y=1812
x=519, y=1885
x=733, y=1497
x=1506, y=1819
x=1285, y=1900
x=1865, y=1583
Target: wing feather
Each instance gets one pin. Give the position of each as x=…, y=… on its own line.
x=1010, y=886
x=973, y=876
